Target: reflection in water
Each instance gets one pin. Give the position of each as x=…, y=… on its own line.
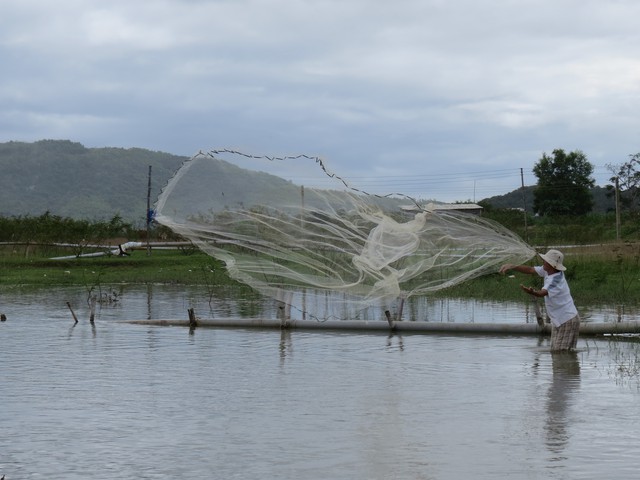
x=149, y=300
x=399, y=338
x=71, y=329
x=153, y=402
x=166, y=302
x=560, y=397
x=625, y=360
x=286, y=347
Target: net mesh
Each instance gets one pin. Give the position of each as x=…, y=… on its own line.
x=295, y=231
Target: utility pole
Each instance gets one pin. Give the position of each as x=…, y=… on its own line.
x=302, y=208
x=149, y=212
x=617, y=209
x=524, y=204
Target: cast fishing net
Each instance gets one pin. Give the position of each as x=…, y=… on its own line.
x=295, y=231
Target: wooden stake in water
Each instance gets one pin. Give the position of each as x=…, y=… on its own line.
x=387, y=314
x=400, y=307
x=539, y=316
x=92, y=316
x=72, y=312
x=193, y=322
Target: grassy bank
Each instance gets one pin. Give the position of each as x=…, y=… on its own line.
x=606, y=274
x=603, y=274
x=190, y=267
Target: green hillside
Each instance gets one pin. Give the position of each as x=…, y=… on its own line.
x=67, y=179
x=603, y=201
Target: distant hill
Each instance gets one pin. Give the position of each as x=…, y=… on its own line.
x=67, y=179
x=70, y=180
x=602, y=202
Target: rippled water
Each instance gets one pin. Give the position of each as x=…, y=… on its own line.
x=115, y=399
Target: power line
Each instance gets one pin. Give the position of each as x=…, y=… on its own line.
x=461, y=184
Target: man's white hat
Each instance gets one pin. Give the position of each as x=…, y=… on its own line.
x=554, y=258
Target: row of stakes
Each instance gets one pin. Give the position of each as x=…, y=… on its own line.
x=192, y=316
x=92, y=315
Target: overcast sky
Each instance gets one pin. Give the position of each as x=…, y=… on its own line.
x=442, y=99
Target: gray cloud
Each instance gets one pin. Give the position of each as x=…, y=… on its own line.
x=443, y=99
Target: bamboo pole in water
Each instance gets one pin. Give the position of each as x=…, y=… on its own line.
x=586, y=329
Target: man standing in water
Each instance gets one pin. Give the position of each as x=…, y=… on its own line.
x=560, y=307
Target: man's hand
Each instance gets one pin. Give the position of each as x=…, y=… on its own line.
x=505, y=268
x=529, y=290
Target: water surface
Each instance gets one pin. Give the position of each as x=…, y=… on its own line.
x=115, y=399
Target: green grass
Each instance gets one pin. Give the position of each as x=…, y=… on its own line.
x=603, y=275
x=162, y=266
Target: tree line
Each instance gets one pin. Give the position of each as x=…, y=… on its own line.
x=565, y=183
x=49, y=229
x=562, y=202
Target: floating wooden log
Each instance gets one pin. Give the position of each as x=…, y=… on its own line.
x=586, y=329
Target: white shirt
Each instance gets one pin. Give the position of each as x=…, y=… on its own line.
x=559, y=303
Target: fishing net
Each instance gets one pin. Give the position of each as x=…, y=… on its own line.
x=295, y=231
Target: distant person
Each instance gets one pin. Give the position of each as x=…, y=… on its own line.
x=561, y=310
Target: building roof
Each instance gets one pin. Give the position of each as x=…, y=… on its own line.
x=434, y=207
